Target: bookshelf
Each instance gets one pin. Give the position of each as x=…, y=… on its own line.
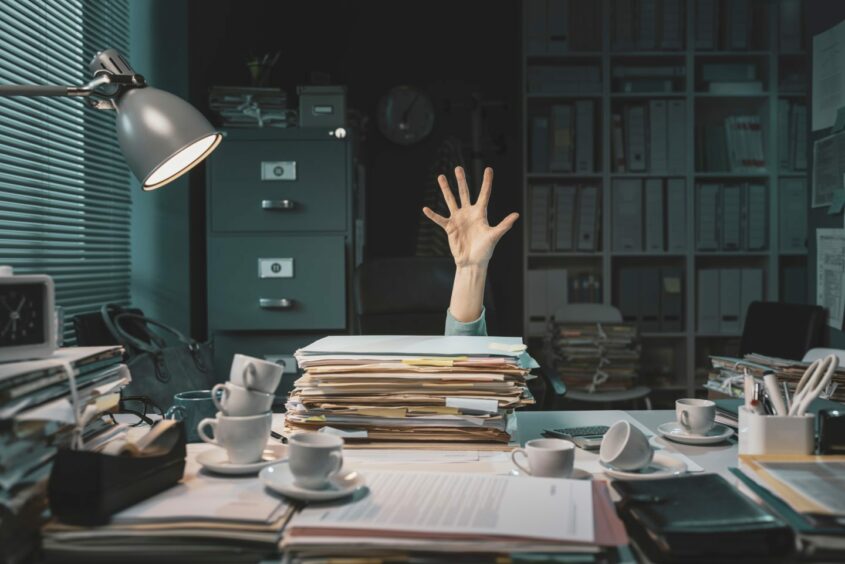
x=673, y=359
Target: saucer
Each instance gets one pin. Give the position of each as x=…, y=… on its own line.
x=216, y=460
x=577, y=474
x=673, y=431
x=278, y=478
x=662, y=466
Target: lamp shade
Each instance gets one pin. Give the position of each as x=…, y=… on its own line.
x=162, y=136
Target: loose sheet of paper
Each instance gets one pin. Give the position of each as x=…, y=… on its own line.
x=828, y=169
x=828, y=75
x=823, y=483
x=470, y=504
x=830, y=274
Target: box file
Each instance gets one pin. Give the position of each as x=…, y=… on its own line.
x=563, y=136
x=618, y=142
x=654, y=215
x=707, y=217
x=756, y=217
x=793, y=215
x=629, y=294
x=708, y=301
x=657, y=149
x=751, y=291
x=676, y=215
x=784, y=141
x=676, y=133
x=635, y=137
x=671, y=299
x=731, y=217
x=584, y=140
x=729, y=300
x=565, y=217
x=539, y=217
x=627, y=215
x=649, y=299
x=539, y=144
x=588, y=218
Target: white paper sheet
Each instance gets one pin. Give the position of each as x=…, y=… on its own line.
x=473, y=504
x=412, y=345
x=830, y=274
x=828, y=168
x=828, y=75
x=823, y=483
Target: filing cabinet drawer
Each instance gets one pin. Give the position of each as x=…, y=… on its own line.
x=273, y=185
x=291, y=282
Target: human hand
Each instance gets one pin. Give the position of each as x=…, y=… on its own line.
x=471, y=239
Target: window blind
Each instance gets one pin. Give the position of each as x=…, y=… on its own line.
x=64, y=186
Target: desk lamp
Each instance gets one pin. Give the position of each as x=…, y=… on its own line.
x=162, y=136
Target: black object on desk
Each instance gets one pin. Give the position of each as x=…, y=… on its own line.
x=831, y=428
x=87, y=488
x=700, y=518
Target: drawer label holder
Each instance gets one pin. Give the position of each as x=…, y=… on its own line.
x=275, y=268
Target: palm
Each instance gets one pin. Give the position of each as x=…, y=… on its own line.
x=471, y=238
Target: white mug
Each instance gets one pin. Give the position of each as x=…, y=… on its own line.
x=255, y=374
x=696, y=416
x=244, y=438
x=314, y=458
x=624, y=447
x=547, y=458
x=232, y=399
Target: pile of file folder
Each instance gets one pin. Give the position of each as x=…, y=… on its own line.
x=596, y=356
x=36, y=418
x=411, y=389
x=727, y=374
x=245, y=106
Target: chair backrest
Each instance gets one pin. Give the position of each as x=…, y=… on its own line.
x=577, y=313
x=782, y=330
x=821, y=352
x=407, y=295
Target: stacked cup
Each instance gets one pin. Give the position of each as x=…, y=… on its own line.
x=242, y=424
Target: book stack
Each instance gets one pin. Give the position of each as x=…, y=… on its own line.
x=204, y=518
x=245, y=106
x=733, y=145
x=596, y=357
x=410, y=389
x=36, y=417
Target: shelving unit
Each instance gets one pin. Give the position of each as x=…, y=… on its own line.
x=690, y=346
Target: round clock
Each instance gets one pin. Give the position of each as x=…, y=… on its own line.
x=405, y=115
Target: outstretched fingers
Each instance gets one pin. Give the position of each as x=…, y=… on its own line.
x=486, y=188
x=447, y=194
x=463, y=189
x=435, y=217
x=505, y=225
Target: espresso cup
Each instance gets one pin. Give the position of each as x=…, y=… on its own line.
x=626, y=448
x=191, y=408
x=243, y=438
x=696, y=416
x=547, y=458
x=235, y=400
x=255, y=374
x=314, y=458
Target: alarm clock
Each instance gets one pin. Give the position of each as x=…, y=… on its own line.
x=28, y=327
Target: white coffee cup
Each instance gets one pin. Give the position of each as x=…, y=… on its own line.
x=547, y=458
x=255, y=374
x=244, y=438
x=235, y=400
x=696, y=416
x=314, y=458
x=626, y=448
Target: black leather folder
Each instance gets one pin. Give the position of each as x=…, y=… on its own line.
x=700, y=518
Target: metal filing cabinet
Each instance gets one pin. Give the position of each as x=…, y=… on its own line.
x=279, y=242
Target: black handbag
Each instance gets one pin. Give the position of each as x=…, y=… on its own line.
x=159, y=370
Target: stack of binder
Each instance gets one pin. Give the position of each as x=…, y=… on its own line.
x=596, y=357
x=407, y=388
x=36, y=418
x=564, y=140
x=565, y=218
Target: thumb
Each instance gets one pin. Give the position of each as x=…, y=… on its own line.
x=505, y=225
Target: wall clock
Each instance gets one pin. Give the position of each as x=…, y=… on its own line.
x=405, y=115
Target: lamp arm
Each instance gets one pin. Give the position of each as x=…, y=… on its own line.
x=101, y=79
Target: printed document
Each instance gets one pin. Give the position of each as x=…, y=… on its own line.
x=830, y=274
x=828, y=76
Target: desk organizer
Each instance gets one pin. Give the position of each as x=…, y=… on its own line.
x=775, y=434
x=87, y=488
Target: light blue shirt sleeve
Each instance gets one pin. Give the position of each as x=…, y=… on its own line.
x=472, y=329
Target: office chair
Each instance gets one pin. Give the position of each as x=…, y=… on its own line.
x=595, y=313
x=782, y=330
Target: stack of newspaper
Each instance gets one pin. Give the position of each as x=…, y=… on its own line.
x=36, y=417
x=245, y=106
x=204, y=518
x=596, y=356
x=409, y=388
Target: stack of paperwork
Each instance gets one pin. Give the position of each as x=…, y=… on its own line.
x=410, y=388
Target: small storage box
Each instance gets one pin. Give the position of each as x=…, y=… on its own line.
x=322, y=106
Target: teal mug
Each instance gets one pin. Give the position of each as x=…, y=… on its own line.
x=191, y=408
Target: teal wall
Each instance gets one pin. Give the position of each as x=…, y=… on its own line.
x=161, y=281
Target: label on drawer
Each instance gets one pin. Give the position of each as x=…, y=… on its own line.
x=278, y=170
x=275, y=268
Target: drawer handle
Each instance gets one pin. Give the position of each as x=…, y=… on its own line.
x=278, y=204
x=271, y=303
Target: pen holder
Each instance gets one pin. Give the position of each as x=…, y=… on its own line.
x=775, y=434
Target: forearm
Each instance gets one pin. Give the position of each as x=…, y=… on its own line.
x=468, y=292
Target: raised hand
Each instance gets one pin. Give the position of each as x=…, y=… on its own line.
x=471, y=239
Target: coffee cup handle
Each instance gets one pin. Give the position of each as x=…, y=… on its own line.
x=250, y=374
x=207, y=422
x=685, y=420
x=176, y=412
x=223, y=392
x=338, y=462
x=521, y=451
